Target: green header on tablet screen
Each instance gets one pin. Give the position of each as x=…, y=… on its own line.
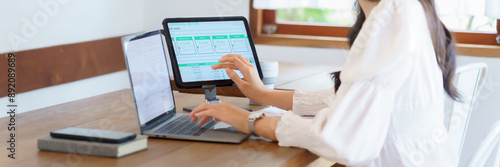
x=202, y=38
x=184, y=38
x=236, y=36
x=219, y=37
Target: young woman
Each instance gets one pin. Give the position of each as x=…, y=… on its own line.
x=386, y=108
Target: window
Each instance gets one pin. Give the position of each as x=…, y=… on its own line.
x=327, y=17
x=470, y=23
x=313, y=22
x=345, y=17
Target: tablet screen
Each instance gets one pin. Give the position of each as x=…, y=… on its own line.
x=199, y=45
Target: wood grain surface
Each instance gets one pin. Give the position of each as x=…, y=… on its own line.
x=115, y=111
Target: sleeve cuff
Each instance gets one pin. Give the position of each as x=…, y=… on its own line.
x=311, y=101
x=293, y=130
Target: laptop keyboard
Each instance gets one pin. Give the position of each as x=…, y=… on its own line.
x=182, y=125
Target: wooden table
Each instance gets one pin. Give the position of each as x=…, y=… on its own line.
x=116, y=111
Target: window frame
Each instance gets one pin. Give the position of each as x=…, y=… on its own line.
x=471, y=43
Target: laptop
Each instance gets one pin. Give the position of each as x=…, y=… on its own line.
x=150, y=81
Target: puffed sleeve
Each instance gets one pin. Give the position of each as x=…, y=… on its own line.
x=353, y=129
x=350, y=132
x=309, y=102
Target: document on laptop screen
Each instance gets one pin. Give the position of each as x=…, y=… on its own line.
x=150, y=77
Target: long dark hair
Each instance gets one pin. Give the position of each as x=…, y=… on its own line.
x=442, y=39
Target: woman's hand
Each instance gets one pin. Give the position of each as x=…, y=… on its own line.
x=251, y=85
x=234, y=116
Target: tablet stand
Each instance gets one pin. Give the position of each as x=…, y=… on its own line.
x=210, y=97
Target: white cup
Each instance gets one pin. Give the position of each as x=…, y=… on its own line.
x=270, y=75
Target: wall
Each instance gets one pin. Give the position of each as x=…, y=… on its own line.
x=44, y=23
x=54, y=22
x=156, y=10
x=92, y=19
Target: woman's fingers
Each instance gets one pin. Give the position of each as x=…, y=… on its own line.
x=222, y=112
x=204, y=120
x=244, y=59
x=225, y=65
x=242, y=66
x=205, y=113
x=236, y=62
x=200, y=108
x=194, y=119
x=236, y=79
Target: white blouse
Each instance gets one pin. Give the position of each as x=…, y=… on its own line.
x=389, y=108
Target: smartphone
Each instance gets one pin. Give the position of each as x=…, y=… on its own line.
x=93, y=135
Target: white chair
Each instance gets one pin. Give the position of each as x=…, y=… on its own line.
x=486, y=147
x=469, y=79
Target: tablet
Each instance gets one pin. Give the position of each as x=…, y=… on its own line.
x=195, y=44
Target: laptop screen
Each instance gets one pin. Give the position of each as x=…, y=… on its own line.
x=149, y=76
x=198, y=45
